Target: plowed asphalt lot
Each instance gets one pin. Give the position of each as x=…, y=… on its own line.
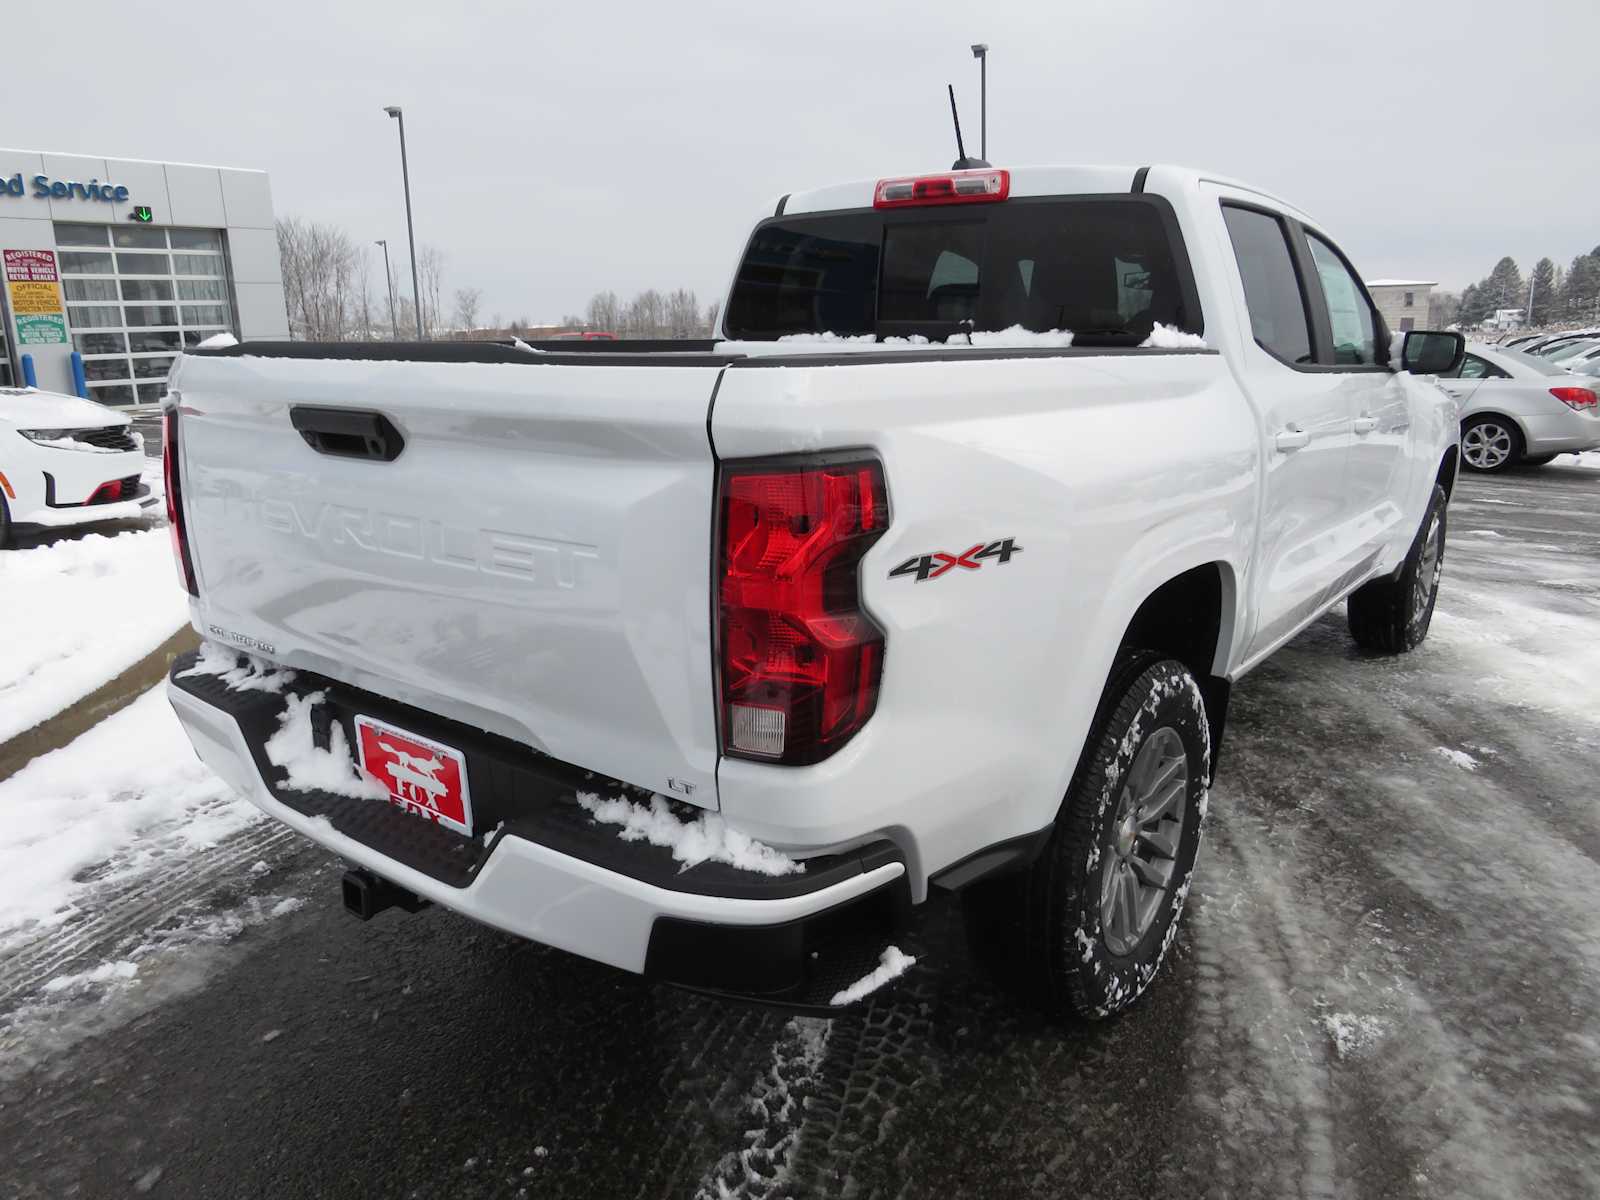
x=1386, y=984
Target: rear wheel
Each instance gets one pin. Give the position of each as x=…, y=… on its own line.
x=1392, y=615
x=1086, y=928
x=1490, y=443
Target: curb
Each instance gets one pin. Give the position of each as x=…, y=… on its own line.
x=82, y=715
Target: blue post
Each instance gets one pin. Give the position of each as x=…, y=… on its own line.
x=30, y=377
x=80, y=381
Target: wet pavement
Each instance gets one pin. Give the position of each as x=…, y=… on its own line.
x=1384, y=987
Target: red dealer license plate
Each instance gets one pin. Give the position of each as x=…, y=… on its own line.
x=424, y=777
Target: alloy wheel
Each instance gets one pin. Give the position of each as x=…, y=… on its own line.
x=1138, y=873
x=1487, y=445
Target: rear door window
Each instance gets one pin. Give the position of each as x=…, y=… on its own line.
x=1272, y=293
x=1106, y=268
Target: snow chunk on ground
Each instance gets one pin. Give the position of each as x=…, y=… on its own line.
x=891, y=965
x=311, y=768
x=1352, y=1033
x=65, y=634
x=106, y=972
x=218, y=341
x=705, y=839
x=241, y=672
x=1169, y=337
x=1459, y=757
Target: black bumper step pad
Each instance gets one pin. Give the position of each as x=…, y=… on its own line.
x=532, y=795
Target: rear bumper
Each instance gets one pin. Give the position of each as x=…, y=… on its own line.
x=1562, y=433
x=556, y=877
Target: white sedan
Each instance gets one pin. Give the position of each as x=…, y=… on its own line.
x=66, y=461
x=1516, y=408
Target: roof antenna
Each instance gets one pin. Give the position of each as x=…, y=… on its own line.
x=962, y=163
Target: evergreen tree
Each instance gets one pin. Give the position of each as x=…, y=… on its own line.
x=1580, y=292
x=1470, y=310
x=1542, y=309
x=1504, y=287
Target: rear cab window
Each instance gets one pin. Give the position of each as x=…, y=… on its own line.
x=1107, y=268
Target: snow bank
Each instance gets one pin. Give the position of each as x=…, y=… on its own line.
x=78, y=613
x=1168, y=337
x=705, y=839
x=311, y=768
x=218, y=341
x=122, y=798
x=891, y=965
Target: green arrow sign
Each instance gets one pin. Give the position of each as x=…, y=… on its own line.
x=143, y=214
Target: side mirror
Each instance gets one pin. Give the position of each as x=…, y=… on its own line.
x=1430, y=352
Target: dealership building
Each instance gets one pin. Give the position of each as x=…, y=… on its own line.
x=114, y=265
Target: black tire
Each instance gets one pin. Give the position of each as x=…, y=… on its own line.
x=1490, y=444
x=6, y=528
x=1048, y=921
x=1538, y=460
x=1392, y=615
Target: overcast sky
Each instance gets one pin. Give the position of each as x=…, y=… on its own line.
x=558, y=149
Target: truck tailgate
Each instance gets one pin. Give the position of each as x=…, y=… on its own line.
x=534, y=562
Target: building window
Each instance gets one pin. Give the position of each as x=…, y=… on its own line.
x=132, y=295
x=1407, y=324
x=1411, y=299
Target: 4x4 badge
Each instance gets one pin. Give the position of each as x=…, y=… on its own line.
x=931, y=566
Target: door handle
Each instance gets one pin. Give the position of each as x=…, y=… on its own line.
x=1365, y=424
x=1292, y=439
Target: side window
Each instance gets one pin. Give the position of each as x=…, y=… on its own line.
x=1473, y=367
x=1355, y=335
x=1271, y=286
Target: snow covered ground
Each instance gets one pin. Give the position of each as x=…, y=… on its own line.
x=77, y=612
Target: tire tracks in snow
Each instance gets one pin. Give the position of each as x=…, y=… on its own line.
x=126, y=913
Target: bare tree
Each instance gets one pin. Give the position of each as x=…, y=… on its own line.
x=467, y=302
x=430, y=271
x=324, y=281
x=682, y=316
x=713, y=310
x=604, y=312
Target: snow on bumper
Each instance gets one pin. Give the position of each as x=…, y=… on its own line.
x=526, y=888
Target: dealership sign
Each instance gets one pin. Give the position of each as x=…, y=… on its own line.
x=45, y=188
x=35, y=288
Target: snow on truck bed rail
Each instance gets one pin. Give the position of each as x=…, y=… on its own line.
x=1162, y=337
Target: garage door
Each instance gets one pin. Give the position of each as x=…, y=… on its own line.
x=136, y=296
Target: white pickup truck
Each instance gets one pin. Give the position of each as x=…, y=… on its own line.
x=931, y=573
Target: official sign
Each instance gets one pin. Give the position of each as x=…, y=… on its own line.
x=41, y=330
x=31, y=277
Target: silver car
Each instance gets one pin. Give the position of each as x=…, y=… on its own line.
x=1516, y=408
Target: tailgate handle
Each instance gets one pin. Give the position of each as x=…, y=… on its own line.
x=348, y=432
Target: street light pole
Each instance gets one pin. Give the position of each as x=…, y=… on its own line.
x=981, y=53
x=405, y=174
x=394, y=327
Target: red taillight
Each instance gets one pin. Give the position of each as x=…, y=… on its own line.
x=1574, y=397
x=169, y=476
x=800, y=657
x=953, y=187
